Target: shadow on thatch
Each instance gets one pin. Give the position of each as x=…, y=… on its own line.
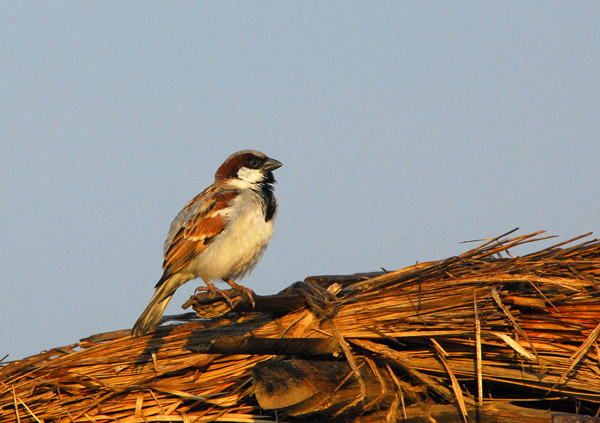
x=479, y=337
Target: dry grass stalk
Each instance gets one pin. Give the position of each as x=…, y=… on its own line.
x=478, y=352
x=443, y=329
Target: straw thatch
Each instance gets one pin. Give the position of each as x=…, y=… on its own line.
x=482, y=336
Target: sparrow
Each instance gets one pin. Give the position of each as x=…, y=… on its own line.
x=220, y=234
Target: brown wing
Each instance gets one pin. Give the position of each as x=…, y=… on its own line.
x=198, y=231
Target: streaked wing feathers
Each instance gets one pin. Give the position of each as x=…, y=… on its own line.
x=199, y=230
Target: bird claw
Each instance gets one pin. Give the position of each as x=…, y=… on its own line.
x=249, y=293
x=216, y=292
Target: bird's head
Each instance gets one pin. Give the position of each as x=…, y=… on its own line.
x=247, y=169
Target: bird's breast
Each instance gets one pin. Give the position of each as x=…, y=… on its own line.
x=237, y=250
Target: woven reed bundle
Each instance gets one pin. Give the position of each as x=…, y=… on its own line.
x=475, y=330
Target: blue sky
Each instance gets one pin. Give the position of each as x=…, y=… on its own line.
x=404, y=129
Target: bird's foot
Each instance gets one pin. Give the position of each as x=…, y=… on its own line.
x=213, y=290
x=249, y=293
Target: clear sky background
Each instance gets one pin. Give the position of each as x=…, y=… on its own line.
x=404, y=129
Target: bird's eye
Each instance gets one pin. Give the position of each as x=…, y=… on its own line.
x=254, y=163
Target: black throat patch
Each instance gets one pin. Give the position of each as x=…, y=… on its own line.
x=266, y=193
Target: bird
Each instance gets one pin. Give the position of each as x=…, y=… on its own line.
x=221, y=233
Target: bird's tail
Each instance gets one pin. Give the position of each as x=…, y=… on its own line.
x=151, y=315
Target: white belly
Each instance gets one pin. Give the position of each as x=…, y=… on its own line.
x=234, y=253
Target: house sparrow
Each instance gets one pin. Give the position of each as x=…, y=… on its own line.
x=220, y=234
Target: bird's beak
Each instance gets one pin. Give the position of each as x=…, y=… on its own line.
x=272, y=164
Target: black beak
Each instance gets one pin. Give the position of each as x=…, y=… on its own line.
x=272, y=164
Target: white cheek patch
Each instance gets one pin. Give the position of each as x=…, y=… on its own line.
x=250, y=176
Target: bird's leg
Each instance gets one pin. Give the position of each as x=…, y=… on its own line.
x=210, y=287
x=245, y=290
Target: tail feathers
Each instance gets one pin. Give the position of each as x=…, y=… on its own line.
x=151, y=316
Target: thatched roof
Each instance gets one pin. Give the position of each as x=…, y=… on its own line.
x=483, y=334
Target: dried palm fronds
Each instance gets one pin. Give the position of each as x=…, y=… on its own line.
x=481, y=333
